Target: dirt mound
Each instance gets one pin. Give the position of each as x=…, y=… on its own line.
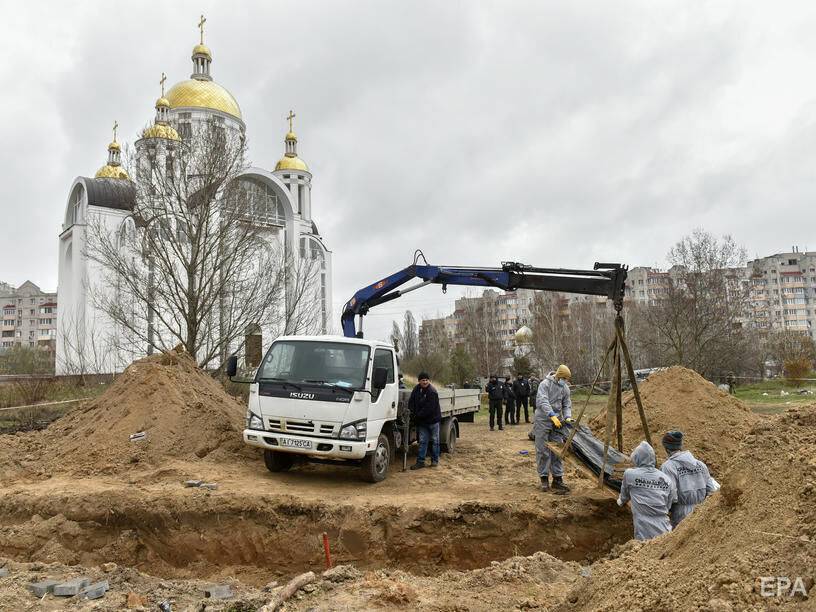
x=183, y=412
x=713, y=422
x=762, y=524
x=538, y=581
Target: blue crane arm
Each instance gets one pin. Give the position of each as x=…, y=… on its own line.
x=387, y=289
x=604, y=280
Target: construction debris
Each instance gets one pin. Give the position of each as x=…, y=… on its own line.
x=95, y=591
x=71, y=588
x=40, y=589
x=219, y=591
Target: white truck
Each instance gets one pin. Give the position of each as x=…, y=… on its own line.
x=334, y=399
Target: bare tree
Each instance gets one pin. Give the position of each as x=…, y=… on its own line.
x=794, y=352
x=698, y=323
x=396, y=336
x=197, y=262
x=410, y=335
x=549, y=323
x=303, y=313
x=477, y=329
x=87, y=349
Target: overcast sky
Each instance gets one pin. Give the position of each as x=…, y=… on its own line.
x=555, y=134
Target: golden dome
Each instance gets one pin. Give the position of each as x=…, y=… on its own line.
x=291, y=136
x=202, y=50
x=203, y=94
x=291, y=163
x=163, y=102
x=114, y=172
x=114, y=146
x=157, y=130
x=524, y=335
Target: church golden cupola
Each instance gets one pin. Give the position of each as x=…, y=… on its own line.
x=161, y=127
x=113, y=169
x=200, y=91
x=202, y=58
x=290, y=159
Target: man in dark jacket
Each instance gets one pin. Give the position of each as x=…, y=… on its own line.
x=510, y=399
x=522, y=390
x=495, y=395
x=426, y=415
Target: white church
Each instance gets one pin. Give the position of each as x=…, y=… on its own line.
x=109, y=199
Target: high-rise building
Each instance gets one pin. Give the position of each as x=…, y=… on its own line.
x=29, y=316
x=783, y=292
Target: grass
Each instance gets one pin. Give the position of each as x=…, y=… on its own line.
x=34, y=417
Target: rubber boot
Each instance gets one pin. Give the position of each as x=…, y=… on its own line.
x=545, y=484
x=559, y=486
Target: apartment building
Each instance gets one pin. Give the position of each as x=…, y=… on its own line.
x=783, y=291
x=29, y=316
x=503, y=312
x=646, y=285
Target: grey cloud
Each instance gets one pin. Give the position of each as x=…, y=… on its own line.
x=550, y=133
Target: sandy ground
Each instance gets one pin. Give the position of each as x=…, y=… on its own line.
x=80, y=498
x=479, y=506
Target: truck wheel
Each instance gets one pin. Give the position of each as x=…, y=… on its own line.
x=375, y=466
x=277, y=462
x=449, y=445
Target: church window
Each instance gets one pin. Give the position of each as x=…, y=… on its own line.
x=259, y=202
x=185, y=130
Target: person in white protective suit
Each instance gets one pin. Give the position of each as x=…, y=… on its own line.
x=651, y=493
x=553, y=409
x=689, y=475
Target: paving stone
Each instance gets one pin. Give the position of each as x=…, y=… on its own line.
x=95, y=590
x=71, y=588
x=218, y=591
x=39, y=589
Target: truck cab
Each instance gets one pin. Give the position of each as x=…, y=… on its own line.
x=325, y=399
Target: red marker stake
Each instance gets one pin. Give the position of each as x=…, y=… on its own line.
x=326, y=550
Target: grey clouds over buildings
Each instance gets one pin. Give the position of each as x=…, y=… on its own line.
x=556, y=134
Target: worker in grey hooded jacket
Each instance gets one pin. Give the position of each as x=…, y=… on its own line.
x=689, y=476
x=651, y=493
x=553, y=408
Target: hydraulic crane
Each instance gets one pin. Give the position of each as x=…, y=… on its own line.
x=605, y=279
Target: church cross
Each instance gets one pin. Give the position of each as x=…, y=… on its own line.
x=201, y=23
x=115, y=126
x=290, y=117
x=161, y=82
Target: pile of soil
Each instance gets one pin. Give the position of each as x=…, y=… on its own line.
x=762, y=523
x=538, y=581
x=184, y=413
x=714, y=423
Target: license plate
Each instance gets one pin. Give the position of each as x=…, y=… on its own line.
x=292, y=443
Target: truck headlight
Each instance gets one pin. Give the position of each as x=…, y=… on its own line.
x=354, y=431
x=254, y=421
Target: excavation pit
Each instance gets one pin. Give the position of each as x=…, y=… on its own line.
x=204, y=536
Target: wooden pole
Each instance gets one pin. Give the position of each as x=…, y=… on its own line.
x=609, y=416
x=618, y=402
x=631, y=373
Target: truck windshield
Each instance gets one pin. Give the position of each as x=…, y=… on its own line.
x=307, y=362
